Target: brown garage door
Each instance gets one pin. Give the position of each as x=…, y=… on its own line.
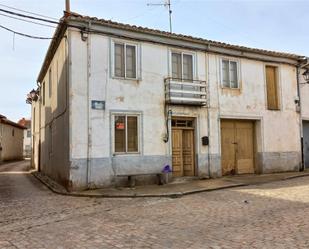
x=237, y=147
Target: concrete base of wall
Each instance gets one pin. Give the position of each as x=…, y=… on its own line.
x=113, y=171
x=106, y=172
x=273, y=162
x=203, y=166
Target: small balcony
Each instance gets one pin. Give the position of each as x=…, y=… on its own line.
x=185, y=92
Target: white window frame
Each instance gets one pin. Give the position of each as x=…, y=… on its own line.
x=237, y=73
x=194, y=63
x=139, y=135
x=112, y=61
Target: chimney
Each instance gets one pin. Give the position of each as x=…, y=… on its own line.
x=67, y=8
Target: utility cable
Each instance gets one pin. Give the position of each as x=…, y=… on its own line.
x=27, y=16
x=26, y=35
x=28, y=12
x=17, y=18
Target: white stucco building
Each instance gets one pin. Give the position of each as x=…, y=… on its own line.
x=27, y=143
x=118, y=100
x=11, y=140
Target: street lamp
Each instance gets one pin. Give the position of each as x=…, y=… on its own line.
x=33, y=95
x=306, y=76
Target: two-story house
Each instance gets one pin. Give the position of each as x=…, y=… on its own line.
x=117, y=99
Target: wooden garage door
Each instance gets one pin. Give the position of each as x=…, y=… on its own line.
x=237, y=147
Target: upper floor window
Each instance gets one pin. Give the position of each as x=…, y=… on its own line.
x=229, y=73
x=125, y=60
x=182, y=66
x=272, y=88
x=28, y=133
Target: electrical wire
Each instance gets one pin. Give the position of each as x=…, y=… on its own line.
x=27, y=16
x=25, y=35
x=28, y=12
x=42, y=24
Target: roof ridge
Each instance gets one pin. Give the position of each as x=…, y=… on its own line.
x=183, y=36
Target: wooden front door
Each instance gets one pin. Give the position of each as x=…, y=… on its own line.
x=237, y=147
x=183, y=151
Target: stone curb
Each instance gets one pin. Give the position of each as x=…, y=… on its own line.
x=58, y=189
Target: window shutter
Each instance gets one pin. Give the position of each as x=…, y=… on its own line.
x=272, y=88
x=233, y=74
x=225, y=73
x=187, y=67
x=119, y=60
x=176, y=66
x=130, y=61
x=120, y=134
x=132, y=134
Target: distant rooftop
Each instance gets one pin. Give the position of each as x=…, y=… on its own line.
x=4, y=120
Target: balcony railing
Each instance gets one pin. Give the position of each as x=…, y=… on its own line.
x=185, y=92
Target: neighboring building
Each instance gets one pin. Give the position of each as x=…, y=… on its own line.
x=304, y=99
x=27, y=148
x=117, y=100
x=11, y=140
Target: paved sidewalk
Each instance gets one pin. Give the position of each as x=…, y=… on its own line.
x=176, y=189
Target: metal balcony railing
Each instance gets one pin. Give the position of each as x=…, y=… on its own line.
x=185, y=92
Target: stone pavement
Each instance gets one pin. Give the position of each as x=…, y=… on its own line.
x=270, y=215
x=177, y=188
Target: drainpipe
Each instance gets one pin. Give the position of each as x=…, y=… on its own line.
x=89, y=139
x=40, y=147
x=208, y=118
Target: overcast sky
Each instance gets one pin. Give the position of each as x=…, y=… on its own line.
x=269, y=24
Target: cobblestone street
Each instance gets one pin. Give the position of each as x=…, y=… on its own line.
x=273, y=215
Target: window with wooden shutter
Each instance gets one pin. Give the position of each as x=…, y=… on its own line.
x=126, y=134
x=272, y=88
x=130, y=62
x=125, y=60
x=120, y=134
x=182, y=66
x=187, y=67
x=132, y=134
x=119, y=60
x=176, y=66
x=229, y=74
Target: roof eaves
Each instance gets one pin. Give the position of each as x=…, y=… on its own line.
x=58, y=34
x=76, y=16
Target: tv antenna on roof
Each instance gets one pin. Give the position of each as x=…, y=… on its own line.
x=167, y=4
